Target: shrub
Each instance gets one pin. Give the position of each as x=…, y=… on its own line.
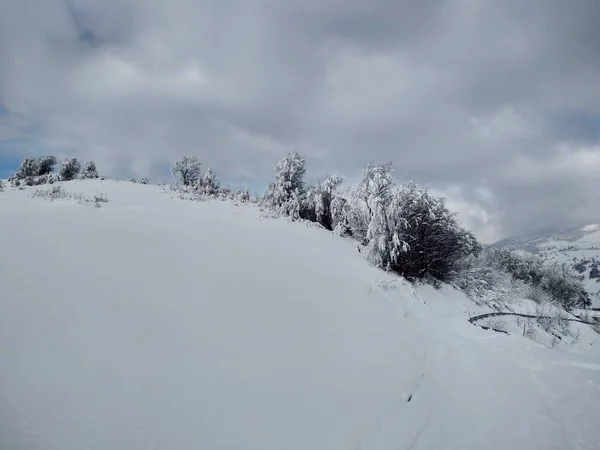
x=54, y=193
x=48, y=178
x=45, y=164
x=27, y=169
x=70, y=167
x=98, y=199
x=89, y=171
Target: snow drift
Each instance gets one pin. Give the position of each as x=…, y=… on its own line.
x=154, y=322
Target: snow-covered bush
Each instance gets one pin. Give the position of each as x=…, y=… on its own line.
x=45, y=164
x=187, y=170
x=57, y=192
x=1, y=185
x=48, y=178
x=89, y=171
x=286, y=193
x=98, y=199
x=140, y=181
x=497, y=324
x=54, y=193
x=69, y=169
x=240, y=195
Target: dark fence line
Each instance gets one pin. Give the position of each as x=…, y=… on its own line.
x=529, y=316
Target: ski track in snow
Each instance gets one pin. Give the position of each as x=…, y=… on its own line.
x=155, y=322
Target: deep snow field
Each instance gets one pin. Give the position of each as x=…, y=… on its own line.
x=159, y=323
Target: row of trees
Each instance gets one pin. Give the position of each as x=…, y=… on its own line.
x=36, y=171
x=404, y=228
x=557, y=280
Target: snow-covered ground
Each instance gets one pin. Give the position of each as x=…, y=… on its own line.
x=159, y=323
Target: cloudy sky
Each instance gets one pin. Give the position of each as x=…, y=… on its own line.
x=494, y=104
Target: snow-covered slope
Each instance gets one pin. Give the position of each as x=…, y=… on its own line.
x=159, y=323
x=579, y=247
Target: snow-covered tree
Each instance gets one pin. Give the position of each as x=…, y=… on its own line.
x=286, y=193
x=319, y=199
x=209, y=184
x=340, y=211
x=372, y=195
x=45, y=164
x=380, y=241
x=426, y=239
x=27, y=169
x=89, y=170
x=187, y=170
x=1, y=185
x=376, y=185
x=69, y=169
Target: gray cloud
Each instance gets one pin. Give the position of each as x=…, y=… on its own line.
x=494, y=104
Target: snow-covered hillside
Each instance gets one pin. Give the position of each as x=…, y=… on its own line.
x=152, y=322
x=579, y=247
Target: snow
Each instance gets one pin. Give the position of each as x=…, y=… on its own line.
x=155, y=322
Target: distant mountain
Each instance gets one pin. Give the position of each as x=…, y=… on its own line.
x=578, y=246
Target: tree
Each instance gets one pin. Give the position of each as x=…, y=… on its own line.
x=426, y=238
x=319, y=200
x=69, y=169
x=45, y=164
x=373, y=194
x=286, y=193
x=28, y=168
x=89, y=170
x=340, y=212
x=209, y=184
x=187, y=170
